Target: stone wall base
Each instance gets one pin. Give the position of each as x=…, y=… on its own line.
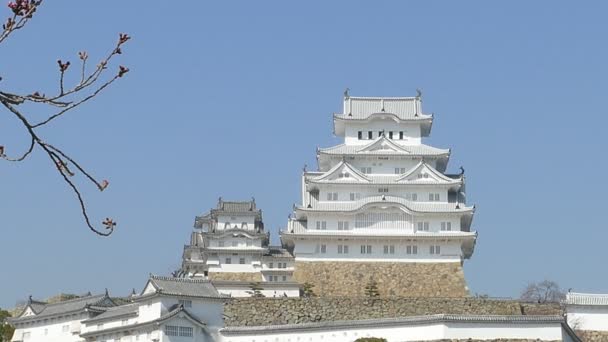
x=592, y=336
x=253, y=277
x=348, y=279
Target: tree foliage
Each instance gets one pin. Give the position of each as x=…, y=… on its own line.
x=256, y=290
x=307, y=290
x=543, y=292
x=371, y=289
x=6, y=330
x=51, y=106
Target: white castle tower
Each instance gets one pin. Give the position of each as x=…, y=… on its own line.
x=380, y=207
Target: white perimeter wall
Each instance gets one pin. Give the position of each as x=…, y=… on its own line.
x=588, y=317
x=421, y=332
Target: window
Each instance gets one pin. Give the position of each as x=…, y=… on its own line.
x=366, y=170
x=390, y=135
x=366, y=249
x=284, y=278
x=342, y=249
x=414, y=197
x=185, y=303
x=411, y=249
x=220, y=243
x=446, y=226
x=228, y=260
x=355, y=196
x=399, y=170
x=321, y=225
x=435, y=249
x=423, y=226
x=323, y=249
x=401, y=135
x=186, y=331
x=332, y=196
x=241, y=261
x=370, y=135
x=342, y=225
x=124, y=322
x=360, y=135
x=171, y=330
x=271, y=265
x=66, y=328
x=434, y=197
x=389, y=249
x=383, y=190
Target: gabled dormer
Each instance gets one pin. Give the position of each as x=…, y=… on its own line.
x=423, y=173
x=383, y=145
x=342, y=172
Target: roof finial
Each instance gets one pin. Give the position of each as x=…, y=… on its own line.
x=383, y=197
x=107, y=294
x=382, y=131
x=304, y=168
x=29, y=300
x=346, y=94
x=344, y=158
x=418, y=93
x=461, y=170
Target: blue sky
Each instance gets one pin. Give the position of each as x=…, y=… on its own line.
x=232, y=98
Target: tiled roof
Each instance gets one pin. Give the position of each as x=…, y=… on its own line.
x=184, y=287
x=428, y=207
x=117, y=311
x=161, y=319
x=404, y=108
x=229, y=207
x=574, y=298
x=418, y=150
x=236, y=207
x=68, y=306
x=278, y=252
x=412, y=320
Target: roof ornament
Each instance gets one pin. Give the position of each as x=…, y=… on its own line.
x=29, y=300
x=418, y=93
x=107, y=294
x=461, y=170
x=382, y=131
x=457, y=205
x=383, y=197
x=346, y=94
x=304, y=168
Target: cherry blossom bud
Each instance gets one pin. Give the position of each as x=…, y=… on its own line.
x=122, y=70
x=83, y=55
x=1, y=151
x=104, y=185
x=122, y=38
x=109, y=223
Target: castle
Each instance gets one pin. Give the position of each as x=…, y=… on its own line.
x=375, y=248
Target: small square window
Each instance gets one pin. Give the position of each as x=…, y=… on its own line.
x=228, y=260
x=241, y=261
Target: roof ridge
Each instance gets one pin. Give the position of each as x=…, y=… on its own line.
x=183, y=280
x=76, y=299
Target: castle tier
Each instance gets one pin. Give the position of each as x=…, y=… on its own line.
x=381, y=206
x=229, y=244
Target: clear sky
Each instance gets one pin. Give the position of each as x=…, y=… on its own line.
x=232, y=98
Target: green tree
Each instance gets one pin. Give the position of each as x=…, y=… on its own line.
x=6, y=330
x=371, y=289
x=307, y=290
x=371, y=339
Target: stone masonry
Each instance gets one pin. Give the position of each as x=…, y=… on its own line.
x=278, y=311
x=592, y=336
x=393, y=279
x=236, y=276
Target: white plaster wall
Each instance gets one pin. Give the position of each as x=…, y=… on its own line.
x=386, y=167
x=434, y=221
x=240, y=291
x=236, y=221
x=411, y=131
x=54, y=329
x=405, y=192
x=307, y=250
x=422, y=332
x=588, y=317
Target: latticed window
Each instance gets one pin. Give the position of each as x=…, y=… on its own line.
x=172, y=330
x=186, y=331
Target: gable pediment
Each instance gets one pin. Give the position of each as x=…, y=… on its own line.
x=343, y=172
x=424, y=173
x=383, y=144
